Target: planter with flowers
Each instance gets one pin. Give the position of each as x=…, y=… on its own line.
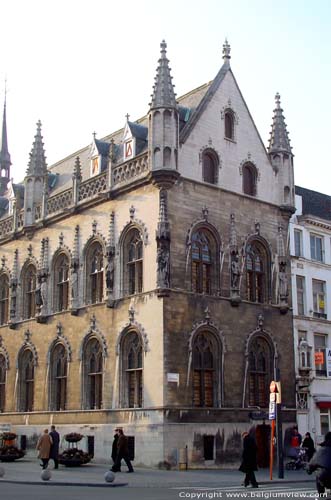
x=8, y=449
x=73, y=456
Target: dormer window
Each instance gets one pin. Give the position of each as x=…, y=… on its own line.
x=128, y=149
x=95, y=165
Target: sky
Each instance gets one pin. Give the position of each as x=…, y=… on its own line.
x=80, y=66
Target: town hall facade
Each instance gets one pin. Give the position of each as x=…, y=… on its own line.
x=144, y=280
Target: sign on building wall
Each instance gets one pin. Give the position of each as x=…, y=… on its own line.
x=328, y=361
x=173, y=377
x=319, y=358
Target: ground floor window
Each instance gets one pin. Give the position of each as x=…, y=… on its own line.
x=325, y=419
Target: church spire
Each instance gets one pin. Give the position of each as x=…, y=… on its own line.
x=163, y=90
x=279, y=141
x=37, y=163
x=5, y=161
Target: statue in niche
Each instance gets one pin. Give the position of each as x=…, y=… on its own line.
x=163, y=267
x=74, y=283
x=37, y=295
x=283, y=282
x=235, y=272
x=43, y=292
x=110, y=268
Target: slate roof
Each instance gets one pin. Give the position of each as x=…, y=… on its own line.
x=314, y=203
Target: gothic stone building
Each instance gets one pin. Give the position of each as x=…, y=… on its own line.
x=144, y=280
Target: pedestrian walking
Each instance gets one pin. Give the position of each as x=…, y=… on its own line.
x=321, y=462
x=249, y=461
x=114, y=448
x=308, y=443
x=54, y=452
x=44, y=447
x=122, y=452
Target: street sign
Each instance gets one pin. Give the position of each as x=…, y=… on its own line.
x=272, y=410
x=273, y=386
x=272, y=397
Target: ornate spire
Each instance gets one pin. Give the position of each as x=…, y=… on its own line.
x=163, y=91
x=77, y=173
x=226, y=52
x=111, y=232
x=279, y=140
x=5, y=161
x=37, y=163
x=280, y=243
x=233, y=233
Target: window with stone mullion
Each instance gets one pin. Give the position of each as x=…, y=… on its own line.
x=135, y=264
x=203, y=372
x=4, y=294
x=259, y=373
x=30, y=292
x=59, y=381
x=62, y=277
x=28, y=387
x=201, y=264
x=2, y=383
x=95, y=377
x=96, y=275
x=133, y=370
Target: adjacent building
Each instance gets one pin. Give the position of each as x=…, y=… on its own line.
x=310, y=236
x=145, y=280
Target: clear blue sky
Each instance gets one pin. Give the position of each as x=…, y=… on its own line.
x=80, y=66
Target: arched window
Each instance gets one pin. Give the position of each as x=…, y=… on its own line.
x=29, y=292
x=203, y=261
x=2, y=382
x=94, y=266
x=132, y=371
x=229, y=125
x=26, y=380
x=205, y=357
x=260, y=363
x=249, y=179
x=256, y=272
x=61, y=280
x=4, y=294
x=209, y=167
x=58, y=378
x=93, y=374
x=133, y=262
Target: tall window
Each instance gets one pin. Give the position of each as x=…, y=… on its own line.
x=325, y=421
x=93, y=362
x=256, y=272
x=94, y=266
x=229, y=125
x=2, y=382
x=29, y=291
x=260, y=364
x=203, y=254
x=249, y=179
x=300, y=282
x=317, y=247
x=298, y=243
x=61, y=282
x=133, y=262
x=4, y=294
x=205, y=355
x=58, y=378
x=26, y=374
x=319, y=299
x=209, y=167
x=132, y=370
x=320, y=344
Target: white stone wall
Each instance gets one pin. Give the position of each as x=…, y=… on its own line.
x=248, y=146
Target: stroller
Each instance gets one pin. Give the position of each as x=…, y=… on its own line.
x=299, y=461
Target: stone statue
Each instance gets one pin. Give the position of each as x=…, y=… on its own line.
x=235, y=272
x=283, y=282
x=38, y=298
x=163, y=267
x=110, y=274
x=43, y=292
x=74, y=283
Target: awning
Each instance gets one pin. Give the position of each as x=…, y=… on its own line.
x=323, y=401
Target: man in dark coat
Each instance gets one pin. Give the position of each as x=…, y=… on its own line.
x=54, y=453
x=322, y=461
x=308, y=443
x=122, y=452
x=249, y=461
x=114, y=448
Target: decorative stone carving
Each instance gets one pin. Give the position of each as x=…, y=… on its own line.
x=163, y=245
